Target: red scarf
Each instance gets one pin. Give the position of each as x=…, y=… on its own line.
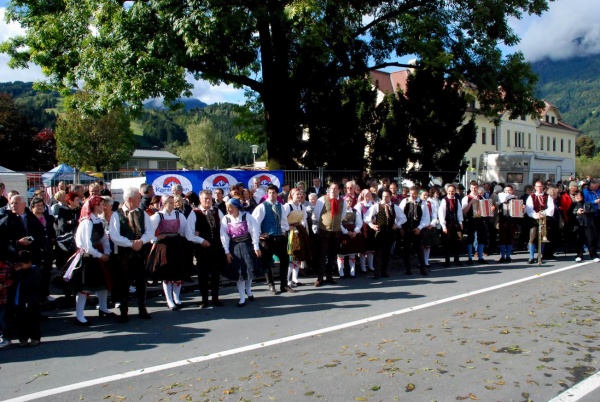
x=334, y=206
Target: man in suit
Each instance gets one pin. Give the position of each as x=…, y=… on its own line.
x=317, y=188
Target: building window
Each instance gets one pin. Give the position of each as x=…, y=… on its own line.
x=474, y=162
x=483, y=136
x=508, y=138
x=493, y=135
x=523, y=117
x=167, y=165
x=547, y=119
x=562, y=145
x=529, y=140
x=569, y=146
x=541, y=142
x=548, y=143
x=553, y=120
x=554, y=144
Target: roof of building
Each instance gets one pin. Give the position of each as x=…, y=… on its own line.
x=559, y=122
x=390, y=82
x=153, y=154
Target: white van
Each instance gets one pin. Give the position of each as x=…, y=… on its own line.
x=523, y=168
x=118, y=185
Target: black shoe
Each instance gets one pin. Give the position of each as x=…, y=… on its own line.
x=502, y=260
x=330, y=281
x=289, y=290
x=123, y=318
x=203, y=305
x=458, y=263
x=352, y=277
x=408, y=272
x=106, y=314
x=481, y=261
x=531, y=261
x=43, y=317
x=470, y=261
x=508, y=260
x=241, y=304
x=144, y=314
x=81, y=323
x=375, y=277
x=447, y=264
x=174, y=308
x=385, y=275
x=251, y=298
x=219, y=303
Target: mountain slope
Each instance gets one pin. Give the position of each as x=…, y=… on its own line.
x=574, y=87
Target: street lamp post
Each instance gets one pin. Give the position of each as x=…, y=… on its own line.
x=254, y=152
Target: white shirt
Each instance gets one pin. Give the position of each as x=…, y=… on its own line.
x=529, y=206
x=289, y=207
x=399, y=220
x=184, y=228
x=425, y=218
x=259, y=215
x=442, y=212
x=319, y=209
x=253, y=229
x=191, y=222
x=83, y=237
x=122, y=241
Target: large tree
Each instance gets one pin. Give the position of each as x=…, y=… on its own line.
x=98, y=141
x=283, y=50
x=204, y=148
x=18, y=147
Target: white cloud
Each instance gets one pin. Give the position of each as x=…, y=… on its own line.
x=568, y=29
x=216, y=93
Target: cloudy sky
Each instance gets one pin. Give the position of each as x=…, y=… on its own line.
x=570, y=28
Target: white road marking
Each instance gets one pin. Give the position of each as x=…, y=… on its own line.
x=580, y=392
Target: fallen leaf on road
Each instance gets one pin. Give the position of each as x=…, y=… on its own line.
x=410, y=387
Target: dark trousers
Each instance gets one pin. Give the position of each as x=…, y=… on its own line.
x=27, y=321
x=412, y=245
x=130, y=269
x=46, y=271
x=383, y=250
x=275, y=245
x=209, y=262
x=586, y=235
x=451, y=242
x=329, y=245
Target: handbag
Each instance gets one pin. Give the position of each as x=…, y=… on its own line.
x=66, y=242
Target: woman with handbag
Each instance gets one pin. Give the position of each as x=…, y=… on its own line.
x=94, y=273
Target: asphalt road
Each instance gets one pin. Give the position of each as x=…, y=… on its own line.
x=493, y=332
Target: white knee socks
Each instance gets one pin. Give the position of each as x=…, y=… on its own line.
x=168, y=289
x=80, y=299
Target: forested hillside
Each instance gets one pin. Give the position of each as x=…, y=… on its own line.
x=574, y=87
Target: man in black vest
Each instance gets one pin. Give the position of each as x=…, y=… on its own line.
x=205, y=224
x=417, y=219
x=130, y=230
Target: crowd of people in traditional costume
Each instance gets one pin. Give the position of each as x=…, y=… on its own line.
x=84, y=242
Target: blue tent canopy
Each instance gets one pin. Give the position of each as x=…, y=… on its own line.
x=66, y=173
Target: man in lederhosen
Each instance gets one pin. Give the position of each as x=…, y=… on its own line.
x=474, y=223
x=205, y=224
x=131, y=231
x=451, y=219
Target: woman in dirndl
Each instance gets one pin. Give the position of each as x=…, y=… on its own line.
x=365, y=201
x=240, y=235
x=429, y=234
x=299, y=244
x=166, y=259
x=94, y=274
x=351, y=245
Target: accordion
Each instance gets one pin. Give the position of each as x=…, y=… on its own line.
x=515, y=208
x=483, y=209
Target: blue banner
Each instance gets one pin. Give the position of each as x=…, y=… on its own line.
x=198, y=180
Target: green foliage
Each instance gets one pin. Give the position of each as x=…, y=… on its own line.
x=291, y=53
x=423, y=126
x=33, y=104
x=203, y=148
x=584, y=146
x=100, y=141
x=586, y=166
x=16, y=136
x=574, y=87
